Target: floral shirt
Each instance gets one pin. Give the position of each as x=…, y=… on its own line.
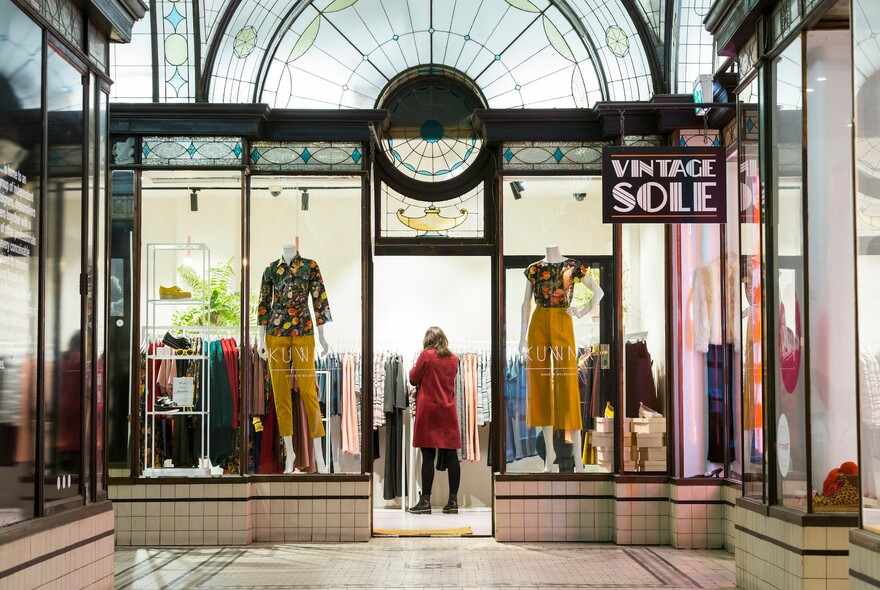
x=284, y=298
x=553, y=282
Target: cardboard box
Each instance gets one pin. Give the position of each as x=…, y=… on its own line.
x=601, y=439
x=604, y=425
x=629, y=466
x=650, y=440
x=652, y=465
x=605, y=455
x=652, y=454
x=649, y=425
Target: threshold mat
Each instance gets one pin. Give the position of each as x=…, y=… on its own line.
x=423, y=532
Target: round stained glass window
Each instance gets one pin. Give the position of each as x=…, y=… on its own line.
x=431, y=137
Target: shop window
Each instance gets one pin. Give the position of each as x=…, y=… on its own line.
x=64, y=303
x=20, y=204
x=121, y=336
x=866, y=57
x=832, y=334
x=787, y=304
x=751, y=226
x=706, y=290
x=644, y=403
x=308, y=228
x=190, y=313
x=560, y=373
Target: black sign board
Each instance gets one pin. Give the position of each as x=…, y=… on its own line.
x=664, y=185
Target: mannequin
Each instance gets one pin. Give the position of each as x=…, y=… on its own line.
x=298, y=348
x=562, y=332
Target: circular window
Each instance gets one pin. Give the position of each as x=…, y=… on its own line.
x=431, y=137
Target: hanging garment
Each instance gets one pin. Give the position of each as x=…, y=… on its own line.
x=553, y=394
x=220, y=405
x=284, y=298
x=719, y=377
x=230, y=357
x=298, y=353
x=378, y=391
x=270, y=448
x=640, y=387
x=259, y=374
x=473, y=436
x=708, y=305
x=351, y=444
x=461, y=409
x=436, y=424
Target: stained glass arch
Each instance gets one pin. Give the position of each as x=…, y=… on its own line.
x=342, y=53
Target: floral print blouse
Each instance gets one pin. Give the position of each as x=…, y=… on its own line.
x=284, y=298
x=553, y=282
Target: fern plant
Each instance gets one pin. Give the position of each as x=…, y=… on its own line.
x=225, y=300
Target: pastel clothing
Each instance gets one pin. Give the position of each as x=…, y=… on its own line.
x=436, y=424
x=284, y=298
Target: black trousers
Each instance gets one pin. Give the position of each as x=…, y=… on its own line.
x=448, y=459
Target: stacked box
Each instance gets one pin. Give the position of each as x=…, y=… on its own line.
x=602, y=438
x=629, y=452
x=650, y=435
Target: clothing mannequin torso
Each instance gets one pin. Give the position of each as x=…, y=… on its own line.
x=288, y=252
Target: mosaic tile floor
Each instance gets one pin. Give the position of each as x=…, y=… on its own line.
x=425, y=563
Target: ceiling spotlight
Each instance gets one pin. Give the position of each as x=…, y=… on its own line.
x=305, y=200
x=579, y=196
x=518, y=188
x=194, y=199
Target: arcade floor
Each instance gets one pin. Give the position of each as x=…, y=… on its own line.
x=425, y=563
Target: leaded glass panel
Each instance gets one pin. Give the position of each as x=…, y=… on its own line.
x=192, y=151
x=460, y=217
x=176, y=45
x=324, y=156
x=541, y=155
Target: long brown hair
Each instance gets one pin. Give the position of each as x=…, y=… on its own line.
x=435, y=339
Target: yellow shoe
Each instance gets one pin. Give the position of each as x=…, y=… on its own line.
x=609, y=410
x=173, y=293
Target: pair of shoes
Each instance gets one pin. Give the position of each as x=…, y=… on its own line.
x=423, y=506
x=176, y=343
x=452, y=505
x=164, y=404
x=174, y=292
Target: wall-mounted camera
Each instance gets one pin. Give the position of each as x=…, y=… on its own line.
x=275, y=190
x=579, y=196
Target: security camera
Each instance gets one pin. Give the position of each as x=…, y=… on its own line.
x=579, y=196
x=275, y=190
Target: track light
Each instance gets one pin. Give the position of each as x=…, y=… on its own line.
x=194, y=199
x=518, y=188
x=305, y=199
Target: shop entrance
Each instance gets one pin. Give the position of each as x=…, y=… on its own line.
x=411, y=294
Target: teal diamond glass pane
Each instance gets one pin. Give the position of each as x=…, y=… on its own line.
x=174, y=17
x=558, y=155
x=508, y=155
x=237, y=150
x=191, y=150
x=306, y=156
x=255, y=155
x=146, y=150
x=356, y=155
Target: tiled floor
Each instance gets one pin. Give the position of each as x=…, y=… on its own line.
x=425, y=563
x=478, y=519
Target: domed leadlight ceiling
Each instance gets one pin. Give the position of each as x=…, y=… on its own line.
x=343, y=53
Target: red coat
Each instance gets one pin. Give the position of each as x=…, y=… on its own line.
x=436, y=424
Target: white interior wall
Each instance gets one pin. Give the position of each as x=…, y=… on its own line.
x=832, y=293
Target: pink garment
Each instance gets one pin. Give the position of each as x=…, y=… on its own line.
x=167, y=371
x=473, y=433
x=351, y=444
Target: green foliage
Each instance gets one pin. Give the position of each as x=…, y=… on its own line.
x=225, y=299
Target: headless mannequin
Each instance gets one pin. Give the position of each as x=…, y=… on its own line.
x=288, y=252
x=554, y=256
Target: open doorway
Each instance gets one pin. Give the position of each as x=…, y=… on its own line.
x=411, y=294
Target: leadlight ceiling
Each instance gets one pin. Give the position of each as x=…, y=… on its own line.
x=519, y=53
x=343, y=53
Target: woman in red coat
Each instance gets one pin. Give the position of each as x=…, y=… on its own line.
x=436, y=427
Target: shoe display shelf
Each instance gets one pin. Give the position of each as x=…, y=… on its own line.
x=189, y=397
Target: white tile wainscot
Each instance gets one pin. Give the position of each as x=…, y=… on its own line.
x=696, y=513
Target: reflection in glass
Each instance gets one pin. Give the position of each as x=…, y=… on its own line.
x=64, y=265
x=866, y=59
x=120, y=338
x=788, y=307
x=20, y=156
x=751, y=203
x=832, y=332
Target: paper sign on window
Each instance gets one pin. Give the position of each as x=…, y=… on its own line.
x=182, y=394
